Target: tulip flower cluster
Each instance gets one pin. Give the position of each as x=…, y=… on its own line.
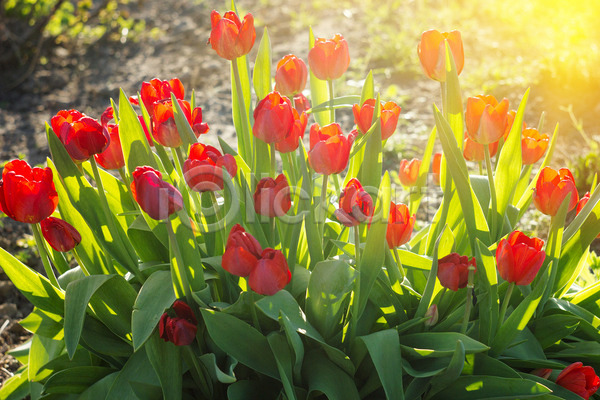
x=266, y=267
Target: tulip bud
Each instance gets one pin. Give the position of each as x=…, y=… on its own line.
x=400, y=225
x=542, y=372
x=272, y=197
x=27, y=194
x=241, y=252
x=329, y=149
x=180, y=330
x=436, y=166
x=291, y=74
x=157, y=90
x=356, y=205
x=271, y=273
x=453, y=271
x=198, y=127
x=409, y=172
x=432, y=53
x=519, y=258
x=81, y=135
x=329, y=58
x=273, y=118
x=486, y=118
x=533, y=145
x=301, y=103
x=431, y=316
x=230, y=37
x=164, y=128
x=473, y=151
x=156, y=197
x=579, y=379
x=291, y=140
x=551, y=189
x=59, y=234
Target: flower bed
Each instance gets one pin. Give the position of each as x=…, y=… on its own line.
x=211, y=273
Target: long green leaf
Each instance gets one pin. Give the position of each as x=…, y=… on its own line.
x=384, y=349
x=283, y=357
x=479, y=387
x=261, y=77
x=486, y=292
x=325, y=377
x=166, y=360
x=421, y=184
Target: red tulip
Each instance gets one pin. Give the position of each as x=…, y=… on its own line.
x=272, y=197
x=301, y=103
x=157, y=90
x=519, y=258
x=432, y=53
x=271, y=273
x=199, y=127
x=329, y=58
x=409, y=172
x=582, y=203
x=27, y=194
x=579, y=379
x=473, y=151
x=112, y=157
x=180, y=330
x=400, y=225
x=436, y=166
x=329, y=149
x=203, y=169
x=81, y=135
x=156, y=197
x=230, y=37
x=290, y=141
x=533, y=145
x=453, y=271
x=551, y=189
x=164, y=129
x=242, y=252
x=486, y=118
x=291, y=74
x=273, y=118
x=356, y=205
x=59, y=234
x=363, y=117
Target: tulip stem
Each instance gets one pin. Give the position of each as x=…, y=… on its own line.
x=273, y=159
x=180, y=270
x=39, y=240
x=490, y=173
x=357, y=244
x=78, y=259
x=323, y=208
x=505, y=302
x=469, y=302
x=480, y=167
x=197, y=373
x=111, y=223
x=253, y=311
x=331, y=109
x=213, y=199
x=292, y=169
x=124, y=177
x=399, y=264
x=245, y=136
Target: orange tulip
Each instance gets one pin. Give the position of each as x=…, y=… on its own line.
x=291, y=74
x=400, y=225
x=409, y=171
x=486, y=118
x=582, y=203
x=356, y=205
x=290, y=141
x=432, y=53
x=551, y=189
x=329, y=58
x=436, y=166
x=329, y=149
x=473, y=151
x=230, y=37
x=363, y=116
x=273, y=118
x=533, y=145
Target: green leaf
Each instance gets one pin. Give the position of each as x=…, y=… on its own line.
x=454, y=369
x=187, y=135
x=262, y=67
x=75, y=380
x=137, y=369
x=210, y=362
x=189, y=252
x=368, y=89
x=16, y=387
x=77, y=297
x=445, y=236
x=42, y=351
x=327, y=297
x=113, y=303
x=482, y=364
x=307, y=209
x=241, y=341
x=421, y=184
x=35, y=287
x=473, y=214
x=437, y=344
x=371, y=166
x=319, y=92
x=252, y=390
x=373, y=256
x=245, y=138
x=453, y=109
x=384, y=349
x=44, y=324
x=283, y=357
x=558, y=390
x=518, y=319
x=552, y=328
x=136, y=149
x=153, y=298
x=486, y=292
x=325, y=377
x=338, y=102
x=481, y=387
x=100, y=389
x=166, y=360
